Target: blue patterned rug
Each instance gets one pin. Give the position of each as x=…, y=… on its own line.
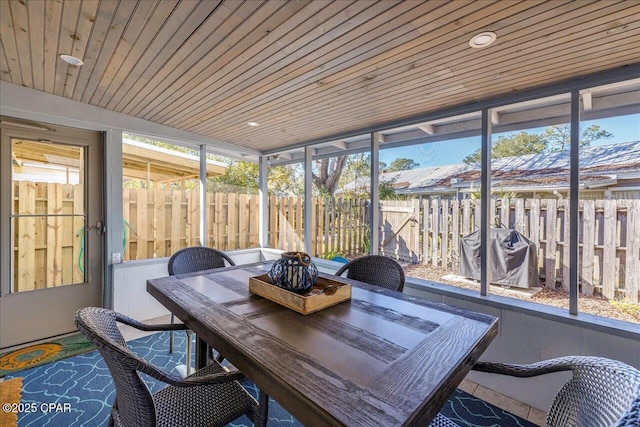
x=78, y=391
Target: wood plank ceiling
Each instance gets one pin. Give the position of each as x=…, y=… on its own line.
x=303, y=69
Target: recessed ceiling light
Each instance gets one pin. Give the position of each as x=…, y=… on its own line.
x=252, y=124
x=72, y=60
x=483, y=39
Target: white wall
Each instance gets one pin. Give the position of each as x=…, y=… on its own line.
x=531, y=332
x=130, y=296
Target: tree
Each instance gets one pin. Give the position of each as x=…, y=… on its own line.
x=402, y=164
x=554, y=138
x=239, y=176
x=559, y=137
x=329, y=173
x=358, y=168
x=286, y=180
x=517, y=144
x=386, y=191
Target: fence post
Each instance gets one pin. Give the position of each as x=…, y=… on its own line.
x=455, y=234
x=550, y=247
x=566, y=218
x=444, y=240
x=159, y=210
x=588, y=245
x=609, y=251
x=632, y=264
x=435, y=224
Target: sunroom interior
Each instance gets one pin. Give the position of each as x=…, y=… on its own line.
x=180, y=93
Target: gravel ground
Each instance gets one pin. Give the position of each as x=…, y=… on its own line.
x=593, y=305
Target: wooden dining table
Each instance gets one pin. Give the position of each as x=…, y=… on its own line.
x=382, y=358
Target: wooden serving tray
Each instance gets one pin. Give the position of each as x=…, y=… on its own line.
x=312, y=301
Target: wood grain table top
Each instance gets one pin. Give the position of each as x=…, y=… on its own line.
x=381, y=359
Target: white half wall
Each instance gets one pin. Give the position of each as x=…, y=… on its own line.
x=130, y=296
x=531, y=332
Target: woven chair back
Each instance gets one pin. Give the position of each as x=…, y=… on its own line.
x=376, y=270
x=134, y=404
x=197, y=258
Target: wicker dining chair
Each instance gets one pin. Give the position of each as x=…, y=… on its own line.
x=211, y=396
x=190, y=260
x=376, y=270
x=601, y=392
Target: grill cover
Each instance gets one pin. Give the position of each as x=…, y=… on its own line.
x=514, y=260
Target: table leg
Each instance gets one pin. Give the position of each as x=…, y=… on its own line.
x=201, y=353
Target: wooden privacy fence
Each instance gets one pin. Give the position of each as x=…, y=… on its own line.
x=159, y=222
x=338, y=225
x=609, y=237
x=47, y=235
x=48, y=248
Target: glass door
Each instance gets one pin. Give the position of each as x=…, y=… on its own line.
x=52, y=255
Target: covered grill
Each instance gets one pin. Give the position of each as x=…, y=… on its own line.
x=514, y=260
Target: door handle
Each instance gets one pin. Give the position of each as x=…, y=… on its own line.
x=99, y=227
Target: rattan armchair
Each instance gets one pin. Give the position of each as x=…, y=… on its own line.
x=601, y=392
x=190, y=260
x=377, y=270
x=210, y=397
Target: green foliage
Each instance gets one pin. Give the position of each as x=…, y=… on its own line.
x=332, y=254
x=387, y=191
x=240, y=176
x=366, y=240
x=559, y=137
x=358, y=166
x=554, y=138
x=286, y=180
x=402, y=164
x=517, y=144
x=627, y=307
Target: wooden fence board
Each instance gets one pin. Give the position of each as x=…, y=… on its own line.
x=424, y=213
x=632, y=262
x=273, y=222
x=78, y=235
x=588, y=243
x=444, y=240
x=534, y=228
x=54, y=236
x=435, y=231
x=26, y=263
x=455, y=234
x=176, y=221
x=609, y=250
x=299, y=234
x=221, y=224
x=243, y=220
x=160, y=213
x=415, y=231
x=193, y=215
x=550, y=244
x=233, y=225
x=142, y=240
x=565, y=218
x=520, y=216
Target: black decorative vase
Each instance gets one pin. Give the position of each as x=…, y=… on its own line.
x=294, y=272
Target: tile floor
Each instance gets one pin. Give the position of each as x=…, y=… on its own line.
x=520, y=409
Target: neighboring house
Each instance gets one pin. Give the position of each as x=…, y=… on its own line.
x=606, y=172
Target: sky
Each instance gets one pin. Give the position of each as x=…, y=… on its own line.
x=623, y=128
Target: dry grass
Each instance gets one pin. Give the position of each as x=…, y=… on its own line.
x=621, y=310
